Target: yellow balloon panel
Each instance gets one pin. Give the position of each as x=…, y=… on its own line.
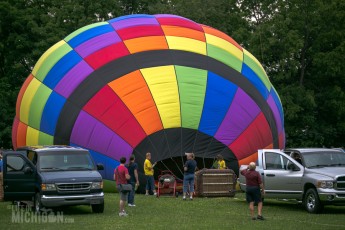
x=186, y=44
x=27, y=99
x=32, y=136
x=163, y=86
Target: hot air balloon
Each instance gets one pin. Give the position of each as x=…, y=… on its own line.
x=150, y=83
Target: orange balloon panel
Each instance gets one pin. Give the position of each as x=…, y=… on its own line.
x=132, y=89
x=136, y=45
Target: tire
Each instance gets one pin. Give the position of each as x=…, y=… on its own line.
x=312, y=202
x=37, y=203
x=98, y=208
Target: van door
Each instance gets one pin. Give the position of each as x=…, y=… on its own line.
x=19, y=177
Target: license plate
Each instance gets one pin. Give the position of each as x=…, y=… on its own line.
x=95, y=202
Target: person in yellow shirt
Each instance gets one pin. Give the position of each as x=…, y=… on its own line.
x=221, y=162
x=148, y=169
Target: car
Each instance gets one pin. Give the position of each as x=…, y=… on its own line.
x=53, y=176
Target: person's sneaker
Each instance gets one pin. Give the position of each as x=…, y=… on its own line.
x=253, y=218
x=184, y=198
x=155, y=194
x=123, y=214
x=131, y=205
x=146, y=194
x=260, y=218
x=191, y=198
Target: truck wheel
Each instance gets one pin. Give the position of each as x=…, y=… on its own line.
x=312, y=202
x=98, y=208
x=37, y=203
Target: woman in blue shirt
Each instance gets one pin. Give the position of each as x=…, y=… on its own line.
x=188, y=178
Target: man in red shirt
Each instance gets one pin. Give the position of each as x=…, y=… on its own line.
x=121, y=176
x=253, y=185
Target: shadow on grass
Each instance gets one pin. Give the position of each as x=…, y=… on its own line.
x=291, y=205
x=298, y=206
x=287, y=205
x=333, y=210
x=75, y=210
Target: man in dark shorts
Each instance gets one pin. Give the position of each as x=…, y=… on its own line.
x=121, y=176
x=253, y=186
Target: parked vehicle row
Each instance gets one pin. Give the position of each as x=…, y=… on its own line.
x=53, y=176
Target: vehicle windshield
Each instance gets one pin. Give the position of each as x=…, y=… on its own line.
x=65, y=161
x=324, y=159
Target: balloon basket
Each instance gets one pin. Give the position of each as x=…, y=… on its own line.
x=215, y=183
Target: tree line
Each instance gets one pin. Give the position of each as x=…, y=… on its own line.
x=300, y=43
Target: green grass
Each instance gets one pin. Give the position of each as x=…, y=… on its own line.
x=109, y=186
x=174, y=213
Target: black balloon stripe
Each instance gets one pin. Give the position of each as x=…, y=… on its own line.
x=119, y=67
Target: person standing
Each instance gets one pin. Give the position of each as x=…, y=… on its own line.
x=253, y=186
x=134, y=180
x=220, y=162
x=188, y=177
x=121, y=176
x=148, y=169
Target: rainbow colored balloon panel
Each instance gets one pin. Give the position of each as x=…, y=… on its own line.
x=150, y=83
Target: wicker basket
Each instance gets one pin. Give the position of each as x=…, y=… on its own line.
x=215, y=183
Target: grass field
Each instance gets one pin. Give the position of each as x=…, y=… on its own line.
x=174, y=213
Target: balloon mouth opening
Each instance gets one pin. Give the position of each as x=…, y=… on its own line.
x=175, y=165
x=168, y=148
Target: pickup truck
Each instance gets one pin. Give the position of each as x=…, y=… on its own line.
x=53, y=176
x=314, y=176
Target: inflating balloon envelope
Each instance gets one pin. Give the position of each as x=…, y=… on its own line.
x=150, y=83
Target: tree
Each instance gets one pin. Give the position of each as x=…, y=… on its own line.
x=27, y=29
x=300, y=44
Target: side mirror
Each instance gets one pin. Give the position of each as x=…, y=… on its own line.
x=28, y=170
x=293, y=167
x=100, y=167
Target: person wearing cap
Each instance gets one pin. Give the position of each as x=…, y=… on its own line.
x=148, y=169
x=188, y=179
x=253, y=186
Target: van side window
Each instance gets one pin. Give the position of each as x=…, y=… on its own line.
x=15, y=163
